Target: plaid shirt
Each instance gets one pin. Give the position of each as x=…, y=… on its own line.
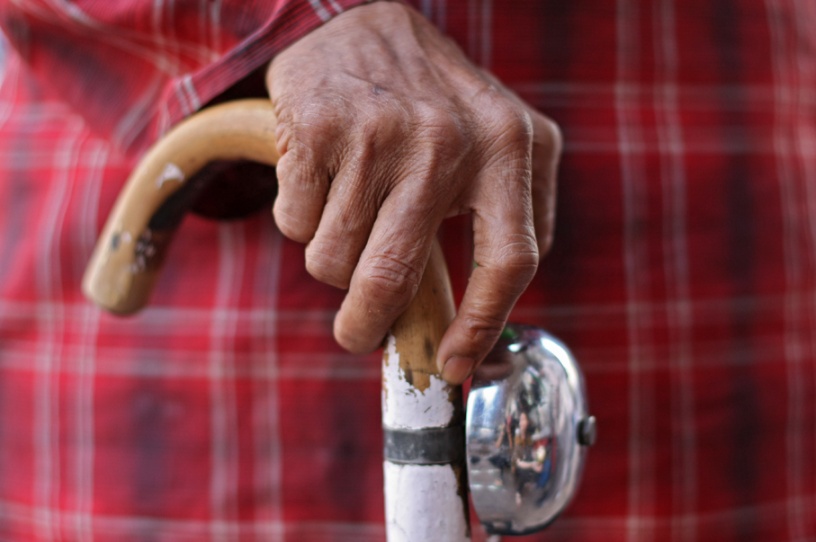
x=683, y=276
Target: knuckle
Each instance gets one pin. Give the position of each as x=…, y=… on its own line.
x=445, y=134
x=444, y=138
x=327, y=267
x=313, y=110
x=304, y=155
x=390, y=282
x=481, y=327
x=376, y=140
x=517, y=259
x=292, y=226
x=300, y=192
x=296, y=167
x=520, y=257
x=510, y=126
x=522, y=263
x=357, y=341
x=441, y=125
x=516, y=126
x=374, y=125
x=314, y=123
x=548, y=134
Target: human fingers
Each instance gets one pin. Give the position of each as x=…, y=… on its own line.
x=424, y=181
x=388, y=273
x=306, y=136
x=505, y=247
x=406, y=72
x=547, y=147
x=369, y=169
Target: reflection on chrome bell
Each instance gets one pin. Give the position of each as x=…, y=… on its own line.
x=527, y=432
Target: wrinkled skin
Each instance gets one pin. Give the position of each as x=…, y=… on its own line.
x=385, y=129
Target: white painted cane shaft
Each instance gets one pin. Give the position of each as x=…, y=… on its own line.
x=422, y=503
x=424, y=499
x=405, y=407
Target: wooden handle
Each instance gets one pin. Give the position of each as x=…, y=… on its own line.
x=131, y=249
x=425, y=499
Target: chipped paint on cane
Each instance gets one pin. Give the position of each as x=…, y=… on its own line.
x=119, y=238
x=170, y=173
x=434, y=512
x=406, y=407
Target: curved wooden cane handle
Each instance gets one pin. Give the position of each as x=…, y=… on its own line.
x=418, y=405
x=131, y=249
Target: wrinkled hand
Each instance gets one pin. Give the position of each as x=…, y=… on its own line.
x=385, y=129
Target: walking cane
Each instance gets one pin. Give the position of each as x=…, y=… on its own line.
x=426, y=442
x=423, y=418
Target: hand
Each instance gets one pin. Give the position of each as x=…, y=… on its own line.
x=385, y=129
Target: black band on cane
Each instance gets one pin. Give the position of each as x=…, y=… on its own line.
x=431, y=446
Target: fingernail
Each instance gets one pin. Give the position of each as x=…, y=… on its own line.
x=457, y=369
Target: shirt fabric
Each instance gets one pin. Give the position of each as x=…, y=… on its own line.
x=683, y=276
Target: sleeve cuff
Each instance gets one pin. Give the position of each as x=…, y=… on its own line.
x=187, y=94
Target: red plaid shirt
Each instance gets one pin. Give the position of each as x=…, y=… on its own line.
x=683, y=276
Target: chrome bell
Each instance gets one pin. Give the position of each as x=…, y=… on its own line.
x=527, y=432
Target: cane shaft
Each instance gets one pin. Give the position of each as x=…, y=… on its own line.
x=425, y=485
